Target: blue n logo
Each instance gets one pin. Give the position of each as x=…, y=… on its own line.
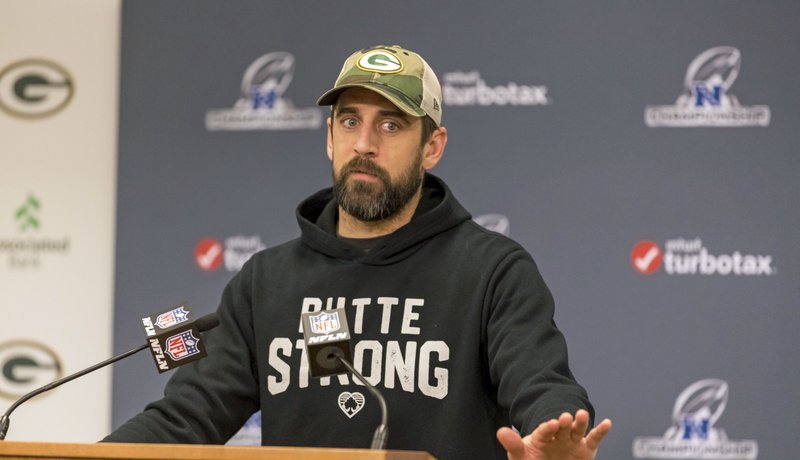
x=704, y=94
x=695, y=429
x=263, y=99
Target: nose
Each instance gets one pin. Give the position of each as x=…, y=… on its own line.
x=367, y=142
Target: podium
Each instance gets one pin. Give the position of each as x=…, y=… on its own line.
x=45, y=450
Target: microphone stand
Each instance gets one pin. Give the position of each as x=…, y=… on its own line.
x=382, y=432
x=5, y=419
x=204, y=323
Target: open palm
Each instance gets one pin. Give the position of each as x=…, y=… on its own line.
x=561, y=439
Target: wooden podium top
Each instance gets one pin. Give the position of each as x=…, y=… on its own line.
x=45, y=450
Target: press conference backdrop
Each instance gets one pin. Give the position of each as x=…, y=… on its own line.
x=645, y=153
x=58, y=106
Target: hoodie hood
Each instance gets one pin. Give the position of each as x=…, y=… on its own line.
x=438, y=212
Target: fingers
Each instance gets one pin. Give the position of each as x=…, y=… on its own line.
x=565, y=429
x=561, y=428
x=580, y=425
x=573, y=429
x=599, y=432
x=546, y=431
x=511, y=442
x=564, y=426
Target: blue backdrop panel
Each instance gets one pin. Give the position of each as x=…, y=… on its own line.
x=545, y=104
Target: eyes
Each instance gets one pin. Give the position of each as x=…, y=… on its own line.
x=387, y=126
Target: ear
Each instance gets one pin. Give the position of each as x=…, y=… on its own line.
x=434, y=148
x=330, y=140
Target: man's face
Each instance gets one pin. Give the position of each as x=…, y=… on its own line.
x=376, y=155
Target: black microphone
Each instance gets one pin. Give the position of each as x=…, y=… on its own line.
x=327, y=340
x=202, y=324
x=173, y=338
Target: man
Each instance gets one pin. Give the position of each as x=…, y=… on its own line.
x=452, y=321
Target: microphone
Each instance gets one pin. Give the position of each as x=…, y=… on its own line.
x=173, y=338
x=202, y=324
x=327, y=340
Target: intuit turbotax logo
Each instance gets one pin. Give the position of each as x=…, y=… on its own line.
x=693, y=434
x=706, y=99
x=469, y=89
x=691, y=257
x=261, y=104
x=210, y=253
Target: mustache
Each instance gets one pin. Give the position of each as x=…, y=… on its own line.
x=363, y=165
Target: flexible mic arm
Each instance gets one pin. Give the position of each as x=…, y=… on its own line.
x=4, y=421
x=382, y=432
x=203, y=323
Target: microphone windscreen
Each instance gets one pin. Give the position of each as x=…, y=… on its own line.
x=327, y=340
x=174, y=339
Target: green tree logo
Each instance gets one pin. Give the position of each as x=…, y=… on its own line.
x=27, y=214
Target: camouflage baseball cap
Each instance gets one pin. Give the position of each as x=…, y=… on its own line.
x=397, y=74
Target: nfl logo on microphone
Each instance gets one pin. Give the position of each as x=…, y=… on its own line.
x=182, y=345
x=171, y=318
x=324, y=323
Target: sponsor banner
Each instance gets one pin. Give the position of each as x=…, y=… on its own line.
x=30, y=248
x=261, y=104
x=694, y=433
x=58, y=93
x=469, y=89
x=210, y=253
x=691, y=257
x=706, y=99
x=577, y=153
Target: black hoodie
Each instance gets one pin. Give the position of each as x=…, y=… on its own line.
x=451, y=321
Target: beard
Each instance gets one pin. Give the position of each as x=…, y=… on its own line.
x=372, y=202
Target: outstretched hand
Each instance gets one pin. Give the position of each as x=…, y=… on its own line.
x=561, y=439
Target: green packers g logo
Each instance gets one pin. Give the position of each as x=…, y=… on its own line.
x=35, y=88
x=380, y=61
x=26, y=365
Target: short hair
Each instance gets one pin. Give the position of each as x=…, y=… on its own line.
x=428, y=127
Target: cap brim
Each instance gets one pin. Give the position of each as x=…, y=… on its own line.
x=397, y=98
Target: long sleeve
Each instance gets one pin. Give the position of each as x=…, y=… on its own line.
x=527, y=354
x=207, y=401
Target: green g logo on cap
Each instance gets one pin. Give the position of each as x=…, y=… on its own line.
x=400, y=75
x=380, y=61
